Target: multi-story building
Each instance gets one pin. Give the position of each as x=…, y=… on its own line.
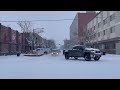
x=11, y=41
x=78, y=24
x=105, y=31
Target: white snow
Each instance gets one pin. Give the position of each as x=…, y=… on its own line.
x=56, y=67
x=92, y=49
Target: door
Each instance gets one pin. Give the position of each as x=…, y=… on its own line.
x=78, y=51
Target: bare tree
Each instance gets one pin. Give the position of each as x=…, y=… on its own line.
x=51, y=44
x=87, y=36
x=26, y=26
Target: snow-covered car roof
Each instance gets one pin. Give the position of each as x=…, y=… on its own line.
x=93, y=49
x=77, y=45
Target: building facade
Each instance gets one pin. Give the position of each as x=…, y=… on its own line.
x=68, y=44
x=11, y=41
x=105, y=31
x=78, y=24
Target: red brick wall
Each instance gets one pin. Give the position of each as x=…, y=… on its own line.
x=16, y=45
x=5, y=32
x=83, y=19
x=4, y=48
x=13, y=37
x=5, y=42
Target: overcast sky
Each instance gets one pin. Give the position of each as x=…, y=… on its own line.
x=57, y=30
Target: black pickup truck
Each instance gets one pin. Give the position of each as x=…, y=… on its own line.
x=82, y=51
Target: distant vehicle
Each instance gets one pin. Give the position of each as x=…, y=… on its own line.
x=38, y=51
x=82, y=51
x=47, y=50
x=55, y=52
x=42, y=51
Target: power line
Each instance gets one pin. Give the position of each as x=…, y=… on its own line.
x=39, y=20
x=49, y=20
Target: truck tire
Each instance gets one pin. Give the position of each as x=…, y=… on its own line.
x=96, y=58
x=87, y=57
x=66, y=56
x=76, y=58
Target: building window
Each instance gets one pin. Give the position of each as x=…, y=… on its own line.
x=113, y=46
x=110, y=46
x=94, y=27
x=105, y=21
x=99, y=25
x=112, y=29
x=104, y=32
x=94, y=35
x=106, y=46
x=112, y=17
x=88, y=31
x=98, y=34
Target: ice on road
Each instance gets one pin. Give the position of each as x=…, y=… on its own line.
x=56, y=67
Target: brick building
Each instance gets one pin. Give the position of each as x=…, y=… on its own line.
x=78, y=24
x=11, y=41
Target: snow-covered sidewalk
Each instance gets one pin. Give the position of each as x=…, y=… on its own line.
x=56, y=67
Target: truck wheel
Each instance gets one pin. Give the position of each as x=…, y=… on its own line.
x=75, y=57
x=66, y=56
x=96, y=58
x=87, y=57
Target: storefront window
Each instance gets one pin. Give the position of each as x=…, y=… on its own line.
x=113, y=46
x=110, y=46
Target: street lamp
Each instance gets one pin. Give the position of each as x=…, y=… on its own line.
x=39, y=30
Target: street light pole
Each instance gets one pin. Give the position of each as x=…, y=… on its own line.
x=33, y=40
x=33, y=36
x=0, y=37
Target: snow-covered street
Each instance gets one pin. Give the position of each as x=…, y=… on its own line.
x=56, y=67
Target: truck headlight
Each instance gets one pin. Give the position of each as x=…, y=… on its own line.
x=92, y=52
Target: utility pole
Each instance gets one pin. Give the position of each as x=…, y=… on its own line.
x=33, y=40
x=40, y=31
x=0, y=38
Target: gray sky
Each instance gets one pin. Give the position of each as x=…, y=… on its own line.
x=57, y=30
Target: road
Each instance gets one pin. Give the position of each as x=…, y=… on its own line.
x=56, y=67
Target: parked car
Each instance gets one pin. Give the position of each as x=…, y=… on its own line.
x=82, y=51
x=47, y=50
x=38, y=51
